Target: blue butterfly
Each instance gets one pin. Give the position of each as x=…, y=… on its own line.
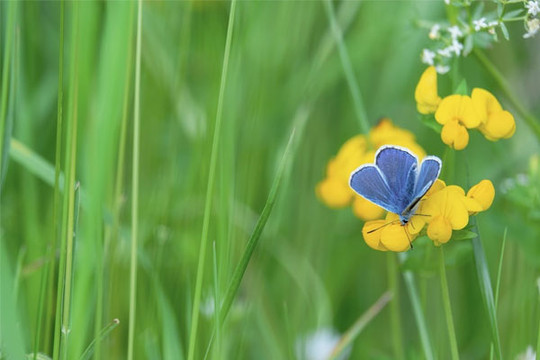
x=395, y=182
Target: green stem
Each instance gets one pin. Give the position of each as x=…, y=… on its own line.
x=447, y=306
x=135, y=188
x=210, y=187
x=393, y=284
x=529, y=118
x=5, y=77
x=347, y=68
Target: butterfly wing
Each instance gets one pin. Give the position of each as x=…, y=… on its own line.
x=368, y=182
x=398, y=166
x=429, y=172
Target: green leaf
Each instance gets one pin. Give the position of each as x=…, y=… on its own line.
x=504, y=31
x=464, y=234
x=430, y=122
x=468, y=45
x=513, y=14
x=462, y=89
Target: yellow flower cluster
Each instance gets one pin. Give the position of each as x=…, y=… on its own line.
x=335, y=191
x=443, y=209
x=458, y=113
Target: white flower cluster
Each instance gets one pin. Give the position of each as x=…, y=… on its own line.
x=450, y=43
x=532, y=24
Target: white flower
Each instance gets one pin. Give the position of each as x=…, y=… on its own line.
x=446, y=52
x=319, y=345
x=456, y=47
x=455, y=32
x=533, y=7
x=480, y=24
x=447, y=2
x=528, y=354
x=434, y=32
x=442, y=69
x=428, y=56
x=533, y=26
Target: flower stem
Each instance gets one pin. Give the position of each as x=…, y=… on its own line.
x=393, y=284
x=529, y=118
x=447, y=306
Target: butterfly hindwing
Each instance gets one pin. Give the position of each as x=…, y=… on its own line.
x=429, y=172
x=369, y=183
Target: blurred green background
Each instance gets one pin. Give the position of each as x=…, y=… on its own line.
x=311, y=269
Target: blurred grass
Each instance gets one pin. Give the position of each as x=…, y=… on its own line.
x=312, y=269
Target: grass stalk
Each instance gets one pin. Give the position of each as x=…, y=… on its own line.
x=498, y=284
x=484, y=282
x=355, y=330
x=65, y=267
x=528, y=117
x=135, y=188
x=359, y=107
x=6, y=69
x=58, y=186
x=210, y=187
x=240, y=269
x=393, y=285
x=418, y=313
x=447, y=306
x=87, y=354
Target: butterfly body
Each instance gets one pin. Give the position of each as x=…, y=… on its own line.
x=395, y=181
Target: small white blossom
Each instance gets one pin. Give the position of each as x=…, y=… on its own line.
x=319, y=345
x=456, y=47
x=480, y=24
x=528, y=354
x=455, y=32
x=533, y=26
x=434, y=32
x=442, y=69
x=428, y=56
x=447, y=2
x=533, y=7
x=446, y=52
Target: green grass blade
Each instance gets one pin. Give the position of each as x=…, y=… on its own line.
x=135, y=189
x=498, y=285
x=240, y=269
x=393, y=285
x=484, y=282
x=359, y=107
x=87, y=354
x=418, y=313
x=447, y=306
x=360, y=324
x=210, y=187
x=7, y=75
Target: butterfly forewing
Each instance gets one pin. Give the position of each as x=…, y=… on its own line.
x=369, y=183
x=398, y=166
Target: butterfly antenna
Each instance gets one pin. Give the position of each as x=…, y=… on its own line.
x=380, y=227
x=408, y=237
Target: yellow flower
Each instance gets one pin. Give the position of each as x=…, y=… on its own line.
x=427, y=99
x=457, y=114
x=334, y=190
x=483, y=194
x=389, y=234
x=447, y=211
x=496, y=123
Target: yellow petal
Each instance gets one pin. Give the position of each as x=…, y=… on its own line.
x=483, y=193
x=334, y=193
x=366, y=210
x=395, y=238
x=484, y=103
x=439, y=230
x=372, y=234
x=499, y=125
x=427, y=99
x=455, y=135
x=457, y=108
x=448, y=203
